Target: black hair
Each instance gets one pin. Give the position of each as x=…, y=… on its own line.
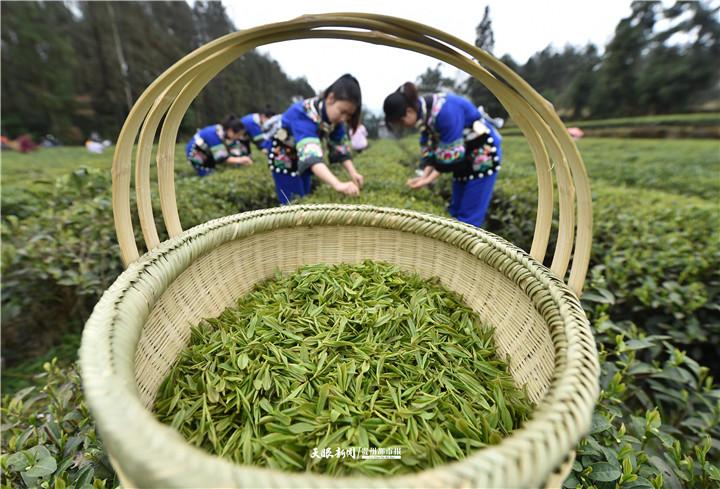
x=397, y=103
x=267, y=111
x=233, y=122
x=347, y=88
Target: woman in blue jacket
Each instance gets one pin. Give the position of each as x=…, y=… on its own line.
x=219, y=143
x=310, y=129
x=454, y=138
x=255, y=124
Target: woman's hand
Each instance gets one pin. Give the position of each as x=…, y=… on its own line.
x=240, y=160
x=357, y=179
x=417, y=182
x=323, y=173
x=429, y=176
x=347, y=188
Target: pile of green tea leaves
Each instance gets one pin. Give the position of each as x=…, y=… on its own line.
x=337, y=357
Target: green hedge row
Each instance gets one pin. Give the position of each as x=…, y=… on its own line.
x=658, y=252
x=58, y=259
x=657, y=256
x=651, y=295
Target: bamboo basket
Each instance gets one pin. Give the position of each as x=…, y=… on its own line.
x=143, y=320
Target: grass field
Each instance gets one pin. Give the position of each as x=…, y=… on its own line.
x=678, y=166
x=646, y=163
x=698, y=119
x=36, y=170
x=680, y=126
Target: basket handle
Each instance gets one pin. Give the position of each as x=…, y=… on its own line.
x=173, y=91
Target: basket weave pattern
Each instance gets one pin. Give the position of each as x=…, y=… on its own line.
x=142, y=322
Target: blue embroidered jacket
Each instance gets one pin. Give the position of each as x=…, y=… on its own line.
x=443, y=130
x=254, y=130
x=307, y=123
x=211, y=141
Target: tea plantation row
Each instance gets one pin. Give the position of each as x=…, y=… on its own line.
x=652, y=295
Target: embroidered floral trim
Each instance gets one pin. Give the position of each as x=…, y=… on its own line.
x=431, y=152
x=282, y=161
x=197, y=157
x=438, y=102
x=339, y=153
x=427, y=151
x=219, y=152
x=280, y=158
x=312, y=109
x=309, y=149
x=450, y=153
x=483, y=161
x=339, y=150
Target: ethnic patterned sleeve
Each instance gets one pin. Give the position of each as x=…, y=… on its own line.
x=339, y=145
x=239, y=147
x=308, y=145
x=211, y=140
x=451, y=147
x=254, y=130
x=220, y=152
x=427, y=150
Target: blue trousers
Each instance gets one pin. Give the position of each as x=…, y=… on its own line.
x=470, y=200
x=288, y=187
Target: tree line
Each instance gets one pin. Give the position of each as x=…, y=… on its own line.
x=660, y=60
x=76, y=67
x=72, y=68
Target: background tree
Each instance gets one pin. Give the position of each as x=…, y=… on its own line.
x=69, y=68
x=673, y=73
x=476, y=91
x=433, y=81
x=616, y=90
x=372, y=123
x=563, y=77
x=575, y=96
x=643, y=70
x=72, y=72
x=484, y=37
x=38, y=64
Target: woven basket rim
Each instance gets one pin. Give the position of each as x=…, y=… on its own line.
x=113, y=331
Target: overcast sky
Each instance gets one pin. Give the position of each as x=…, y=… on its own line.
x=521, y=28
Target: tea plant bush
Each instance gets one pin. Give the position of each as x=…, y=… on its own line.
x=56, y=262
x=659, y=256
x=652, y=293
x=48, y=437
x=58, y=259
